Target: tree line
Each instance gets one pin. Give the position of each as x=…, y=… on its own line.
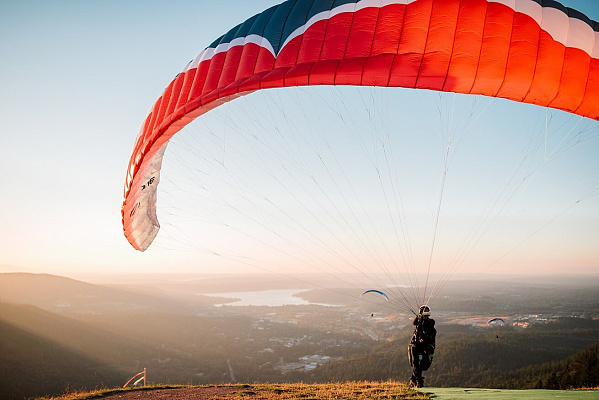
x=538, y=357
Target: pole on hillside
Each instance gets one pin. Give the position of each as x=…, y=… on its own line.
x=143, y=378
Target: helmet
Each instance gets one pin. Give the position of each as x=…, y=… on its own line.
x=424, y=310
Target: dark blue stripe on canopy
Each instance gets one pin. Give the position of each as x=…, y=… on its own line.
x=278, y=22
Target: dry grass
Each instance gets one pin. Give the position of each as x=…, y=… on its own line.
x=71, y=394
x=261, y=391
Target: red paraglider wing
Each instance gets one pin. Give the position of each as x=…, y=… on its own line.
x=515, y=49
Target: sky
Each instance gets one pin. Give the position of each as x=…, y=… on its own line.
x=78, y=79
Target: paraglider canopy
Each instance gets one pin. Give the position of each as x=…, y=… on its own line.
x=496, y=321
x=526, y=51
x=377, y=292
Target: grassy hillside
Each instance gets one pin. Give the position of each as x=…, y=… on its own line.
x=330, y=391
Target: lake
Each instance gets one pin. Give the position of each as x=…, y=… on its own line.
x=272, y=298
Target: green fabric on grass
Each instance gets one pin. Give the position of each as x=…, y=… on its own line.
x=504, y=394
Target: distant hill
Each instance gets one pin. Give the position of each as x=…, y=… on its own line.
x=241, y=283
x=60, y=294
x=41, y=353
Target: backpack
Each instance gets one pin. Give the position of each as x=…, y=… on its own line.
x=424, y=336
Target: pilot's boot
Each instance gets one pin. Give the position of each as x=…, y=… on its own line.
x=413, y=381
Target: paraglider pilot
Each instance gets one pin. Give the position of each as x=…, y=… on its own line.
x=422, y=345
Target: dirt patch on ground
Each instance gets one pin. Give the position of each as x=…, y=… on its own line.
x=194, y=393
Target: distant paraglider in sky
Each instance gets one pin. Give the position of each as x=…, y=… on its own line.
x=293, y=196
x=496, y=322
x=377, y=292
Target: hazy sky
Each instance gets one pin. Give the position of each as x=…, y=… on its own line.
x=78, y=79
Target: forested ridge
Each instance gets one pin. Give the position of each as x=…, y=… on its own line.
x=580, y=370
x=539, y=357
